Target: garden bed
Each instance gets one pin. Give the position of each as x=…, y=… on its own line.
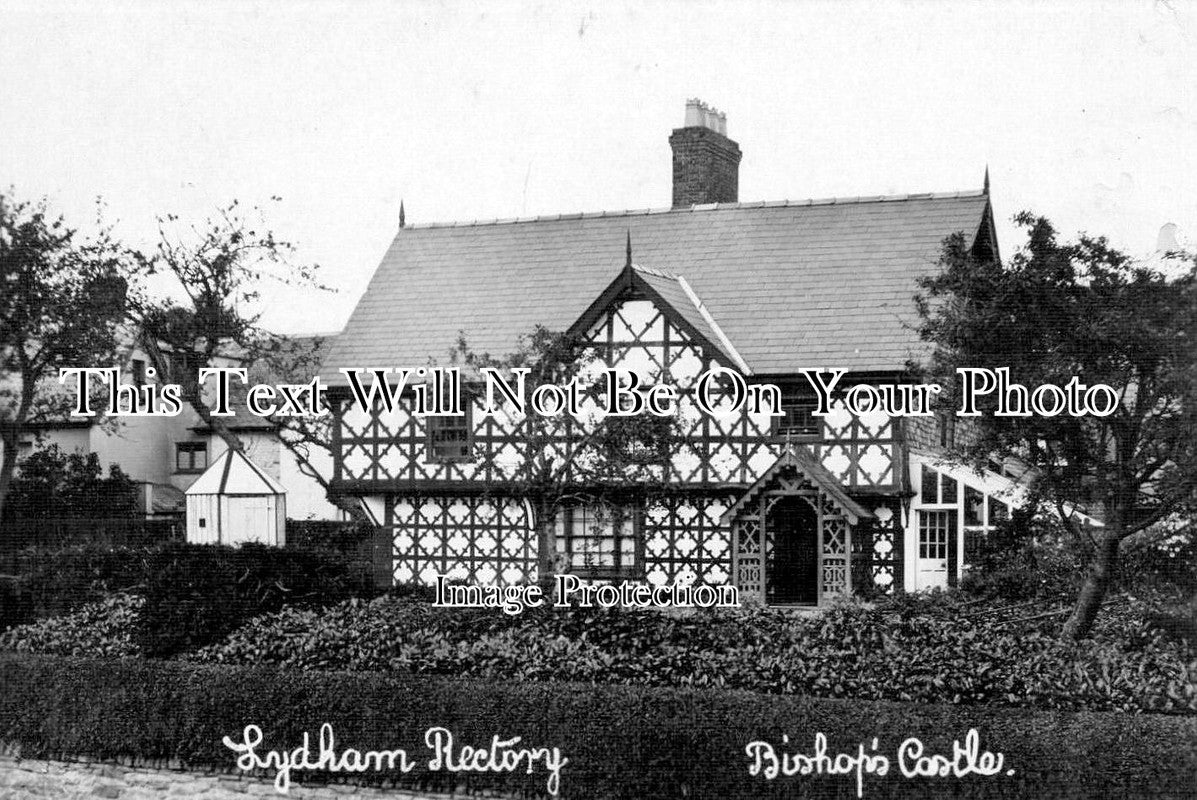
x=906, y=650
x=927, y=650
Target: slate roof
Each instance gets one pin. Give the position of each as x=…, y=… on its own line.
x=234, y=473
x=794, y=284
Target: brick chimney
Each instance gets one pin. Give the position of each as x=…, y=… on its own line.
x=706, y=164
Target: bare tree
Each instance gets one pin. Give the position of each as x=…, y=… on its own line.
x=218, y=271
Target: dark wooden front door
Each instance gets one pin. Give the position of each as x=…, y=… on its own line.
x=792, y=563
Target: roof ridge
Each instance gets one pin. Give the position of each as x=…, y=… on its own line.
x=641, y=212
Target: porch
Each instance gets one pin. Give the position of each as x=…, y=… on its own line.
x=792, y=534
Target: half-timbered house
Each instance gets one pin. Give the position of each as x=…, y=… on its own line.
x=792, y=509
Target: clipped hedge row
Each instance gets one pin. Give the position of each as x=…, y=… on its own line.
x=621, y=742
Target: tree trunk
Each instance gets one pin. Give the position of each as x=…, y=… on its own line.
x=1097, y=584
x=10, y=435
x=8, y=466
x=218, y=425
x=546, y=545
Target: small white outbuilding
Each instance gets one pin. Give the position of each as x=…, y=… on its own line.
x=234, y=501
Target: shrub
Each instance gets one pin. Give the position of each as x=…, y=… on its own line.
x=196, y=594
x=353, y=541
x=54, y=483
x=1166, y=556
x=103, y=628
x=621, y=742
x=347, y=538
x=50, y=582
x=915, y=648
x=1025, y=557
x=1010, y=583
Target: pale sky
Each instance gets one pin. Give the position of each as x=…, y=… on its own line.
x=1085, y=112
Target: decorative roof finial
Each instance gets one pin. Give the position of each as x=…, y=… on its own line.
x=985, y=188
x=628, y=265
x=402, y=216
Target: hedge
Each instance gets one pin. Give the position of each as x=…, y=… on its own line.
x=621, y=741
x=36, y=583
x=197, y=593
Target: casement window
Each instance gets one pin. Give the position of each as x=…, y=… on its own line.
x=799, y=419
x=191, y=456
x=938, y=488
x=450, y=438
x=601, y=541
x=983, y=512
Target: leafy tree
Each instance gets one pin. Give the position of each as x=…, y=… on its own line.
x=61, y=303
x=597, y=460
x=55, y=484
x=1063, y=309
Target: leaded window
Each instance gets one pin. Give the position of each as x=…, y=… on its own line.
x=600, y=540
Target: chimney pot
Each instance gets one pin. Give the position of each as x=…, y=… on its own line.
x=706, y=164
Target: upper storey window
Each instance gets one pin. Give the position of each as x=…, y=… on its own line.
x=450, y=438
x=799, y=419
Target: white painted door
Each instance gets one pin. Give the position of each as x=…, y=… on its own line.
x=251, y=519
x=932, y=564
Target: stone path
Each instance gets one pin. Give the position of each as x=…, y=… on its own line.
x=26, y=779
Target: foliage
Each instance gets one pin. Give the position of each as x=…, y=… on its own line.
x=621, y=742
x=54, y=484
x=347, y=538
x=352, y=541
x=103, y=628
x=1165, y=555
x=1027, y=557
x=910, y=648
x=196, y=594
x=61, y=302
x=1064, y=310
x=46, y=583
